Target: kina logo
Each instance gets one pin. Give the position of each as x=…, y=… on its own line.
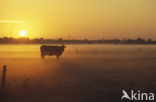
x=138, y=95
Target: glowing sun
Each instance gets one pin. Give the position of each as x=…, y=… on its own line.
x=22, y=33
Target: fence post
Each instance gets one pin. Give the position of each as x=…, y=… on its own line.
x=4, y=77
x=2, y=91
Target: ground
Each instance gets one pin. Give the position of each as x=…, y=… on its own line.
x=79, y=78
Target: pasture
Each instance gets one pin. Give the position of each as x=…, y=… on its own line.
x=84, y=73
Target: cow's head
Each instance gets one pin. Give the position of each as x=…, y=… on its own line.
x=63, y=47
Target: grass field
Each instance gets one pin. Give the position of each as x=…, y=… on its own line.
x=94, y=75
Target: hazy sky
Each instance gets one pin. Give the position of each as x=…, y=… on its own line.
x=93, y=19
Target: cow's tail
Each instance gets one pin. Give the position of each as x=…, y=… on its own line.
x=42, y=52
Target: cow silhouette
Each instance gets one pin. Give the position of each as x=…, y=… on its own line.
x=52, y=50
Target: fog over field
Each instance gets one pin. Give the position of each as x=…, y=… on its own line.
x=84, y=73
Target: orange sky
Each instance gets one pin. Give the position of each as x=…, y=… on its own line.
x=78, y=19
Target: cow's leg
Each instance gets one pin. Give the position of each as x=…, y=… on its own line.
x=57, y=57
x=42, y=56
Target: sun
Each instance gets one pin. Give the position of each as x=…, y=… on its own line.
x=22, y=33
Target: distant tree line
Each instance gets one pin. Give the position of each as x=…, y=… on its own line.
x=7, y=40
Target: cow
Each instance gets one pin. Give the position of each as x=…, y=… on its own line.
x=51, y=50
